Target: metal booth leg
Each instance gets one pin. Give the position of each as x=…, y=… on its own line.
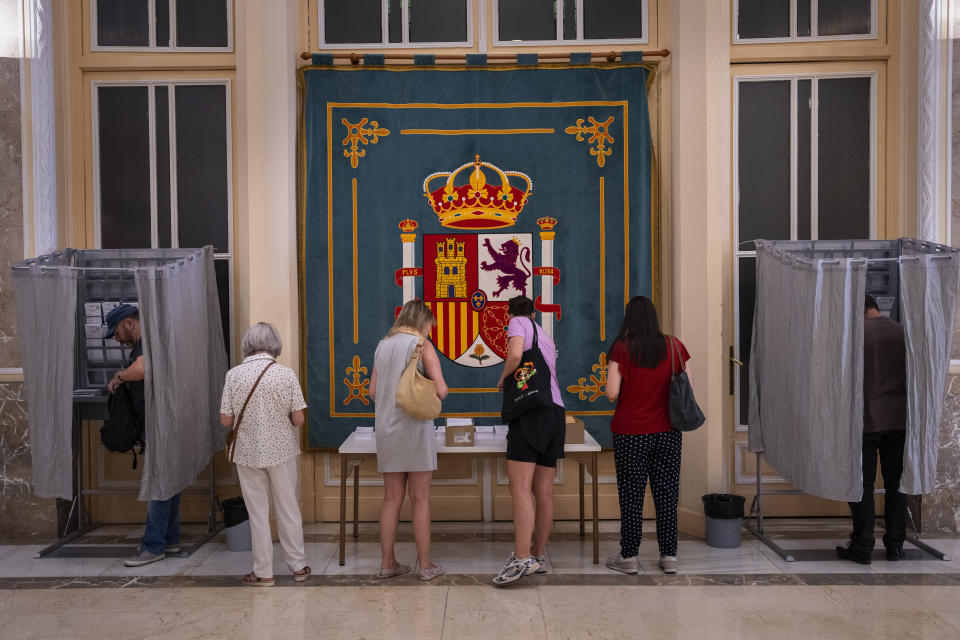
x=343, y=507
x=356, y=501
x=594, y=466
x=756, y=511
x=583, y=473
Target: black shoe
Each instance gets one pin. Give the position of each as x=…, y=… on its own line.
x=845, y=553
x=894, y=553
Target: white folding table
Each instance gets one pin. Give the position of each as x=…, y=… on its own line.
x=357, y=448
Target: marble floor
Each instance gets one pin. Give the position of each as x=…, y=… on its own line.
x=747, y=592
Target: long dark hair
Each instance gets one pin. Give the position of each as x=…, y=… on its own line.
x=640, y=334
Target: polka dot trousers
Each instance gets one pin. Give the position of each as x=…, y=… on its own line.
x=657, y=456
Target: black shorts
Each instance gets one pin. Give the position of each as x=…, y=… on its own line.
x=538, y=436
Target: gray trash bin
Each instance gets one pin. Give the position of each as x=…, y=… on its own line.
x=724, y=514
x=237, y=524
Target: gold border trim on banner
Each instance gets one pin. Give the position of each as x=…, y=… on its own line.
x=655, y=212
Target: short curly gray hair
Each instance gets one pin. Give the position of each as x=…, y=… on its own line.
x=262, y=336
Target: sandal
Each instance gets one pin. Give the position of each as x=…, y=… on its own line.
x=399, y=570
x=435, y=571
x=251, y=580
x=301, y=575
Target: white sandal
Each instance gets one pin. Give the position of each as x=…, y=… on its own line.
x=399, y=570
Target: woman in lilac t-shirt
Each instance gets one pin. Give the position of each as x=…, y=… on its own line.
x=534, y=443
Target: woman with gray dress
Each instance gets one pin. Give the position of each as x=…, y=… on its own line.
x=406, y=446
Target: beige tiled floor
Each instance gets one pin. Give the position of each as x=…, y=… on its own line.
x=475, y=611
x=714, y=605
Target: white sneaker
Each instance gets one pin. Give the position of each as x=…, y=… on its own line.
x=668, y=564
x=542, y=561
x=516, y=568
x=625, y=565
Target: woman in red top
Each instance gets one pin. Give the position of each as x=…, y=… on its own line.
x=645, y=444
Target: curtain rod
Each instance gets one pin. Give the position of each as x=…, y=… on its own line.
x=814, y=261
x=610, y=56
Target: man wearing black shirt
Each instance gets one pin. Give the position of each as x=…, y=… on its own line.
x=884, y=432
x=162, y=533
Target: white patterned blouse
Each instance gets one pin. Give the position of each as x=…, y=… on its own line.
x=266, y=437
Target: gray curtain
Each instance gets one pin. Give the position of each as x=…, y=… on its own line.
x=185, y=367
x=928, y=294
x=806, y=371
x=46, y=301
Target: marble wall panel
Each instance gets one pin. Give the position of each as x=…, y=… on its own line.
x=22, y=514
x=955, y=164
x=941, y=509
x=11, y=204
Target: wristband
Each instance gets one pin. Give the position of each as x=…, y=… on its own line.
x=118, y=377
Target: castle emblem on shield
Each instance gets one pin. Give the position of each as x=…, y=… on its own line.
x=469, y=278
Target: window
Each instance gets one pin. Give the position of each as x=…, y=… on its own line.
x=804, y=20
x=395, y=23
x=570, y=21
x=162, y=25
x=162, y=169
x=805, y=168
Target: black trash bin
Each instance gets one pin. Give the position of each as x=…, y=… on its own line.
x=236, y=521
x=724, y=514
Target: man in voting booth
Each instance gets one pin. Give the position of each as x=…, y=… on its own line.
x=884, y=433
x=162, y=533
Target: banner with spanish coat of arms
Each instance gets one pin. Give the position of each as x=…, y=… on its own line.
x=466, y=186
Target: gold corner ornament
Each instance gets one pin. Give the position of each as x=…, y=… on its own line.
x=599, y=134
x=358, y=134
x=357, y=383
x=598, y=381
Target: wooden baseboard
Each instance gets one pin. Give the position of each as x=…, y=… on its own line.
x=691, y=522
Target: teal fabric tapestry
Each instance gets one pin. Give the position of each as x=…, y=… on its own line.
x=466, y=186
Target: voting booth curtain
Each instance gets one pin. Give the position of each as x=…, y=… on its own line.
x=187, y=362
x=46, y=301
x=184, y=352
x=806, y=374
x=467, y=185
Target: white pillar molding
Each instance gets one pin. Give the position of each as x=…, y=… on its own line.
x=266, y=110
x=699, y=223
x=933, y=119
x=38, y=129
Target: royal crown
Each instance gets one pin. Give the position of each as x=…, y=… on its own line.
x=407, y=225
x=477, y=204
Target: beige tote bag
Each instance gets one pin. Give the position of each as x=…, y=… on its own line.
x=417, y=394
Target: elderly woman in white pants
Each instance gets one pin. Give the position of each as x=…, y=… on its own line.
x=267, y=449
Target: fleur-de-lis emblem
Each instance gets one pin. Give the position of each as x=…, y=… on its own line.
x=598, y=381
x=357, y=383
x=599, y=135
x=358, y=134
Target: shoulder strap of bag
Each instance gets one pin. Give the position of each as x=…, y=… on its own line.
x=675, y=355
x=536, y=345
x=418, y=350
x=236, y=425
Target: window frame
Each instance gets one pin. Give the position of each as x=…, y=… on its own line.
x=171, y=83
x=793, y=38
x=152, y=47
x=754, y=73
x=494, y=34
x=473, y=6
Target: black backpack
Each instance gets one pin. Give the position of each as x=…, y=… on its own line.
x=122, y=431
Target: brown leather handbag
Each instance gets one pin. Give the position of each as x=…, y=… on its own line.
x=231, y=442
x=416, y=393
